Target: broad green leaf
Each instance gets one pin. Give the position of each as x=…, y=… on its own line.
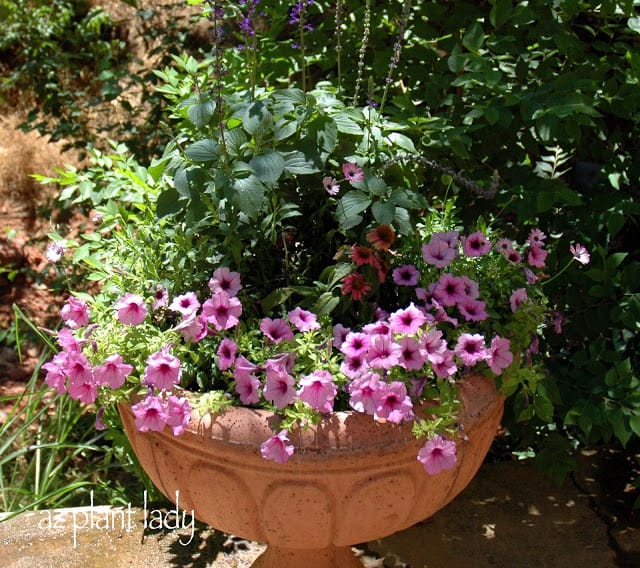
x=248, y=195
x=353, y=203
x=634, y=24
x=268, y=167
x=296, y=162
x=257, y=118
x=168, y=203
x=205, y=150
x=383, y=212
x=408, y=199
x=325, y=304
x=200, y=113
x=402, y=141
x=346, y=123
x=474, y=37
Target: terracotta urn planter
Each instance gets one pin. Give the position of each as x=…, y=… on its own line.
x=351, y=479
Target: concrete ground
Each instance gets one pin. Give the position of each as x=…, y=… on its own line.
x=509, y=516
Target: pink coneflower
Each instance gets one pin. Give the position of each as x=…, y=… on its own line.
x=382, y=237
x=318, y=390
x=224, y=280
x=75, y=313
x=500, y=356
x=331, y=185
x=406, y=275
x=276, y=330
x=394, y=403
x=112, y=372
x=185, y=304
x=537, y=256
x=222, y=310
x=407, y=320
x=356, y=285
x=449, y=290
x=303, y=320
x=580, y=253
x=227, y=351
x=131, y=309
x=470, y=348
x=362, y=255
x=276, y=448
x=476, y=244
x=438, y=253
x=352, y=172
x=438, y=454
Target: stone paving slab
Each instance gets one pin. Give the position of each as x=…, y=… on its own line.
x=509, y=516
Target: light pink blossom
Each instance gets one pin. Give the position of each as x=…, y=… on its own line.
x=150, y=414
x=438, y=454
x=225, y=280
x=227, y=351
x=517, y=298
x=500, y=356
x=318, y=390
x=75, y=313
x=407, y=320
x=438, y=252
x=449, y=289
x=331, y=185
x=276, y=330
x=412, y=356
x=222, y=310
x=363, y=393
x=131, y=309
x=112, y=372
x=247, y=387
x=475, y=244
x=470, y=348
x=384, y=352
x=537, y=256
x=186, y=304
x=178, y=413
x=580, y=253
x=303, y=320
x=279, y=387
x=352, y=172
x=406, y=275
x=163, y=370
x=276, y=448
x=393, y=402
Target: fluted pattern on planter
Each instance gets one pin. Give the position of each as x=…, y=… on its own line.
x=351, y=479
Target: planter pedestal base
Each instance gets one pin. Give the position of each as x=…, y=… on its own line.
x=330, y=557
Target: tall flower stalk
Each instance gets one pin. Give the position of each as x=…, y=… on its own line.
x=363, y=49
x=397, y=48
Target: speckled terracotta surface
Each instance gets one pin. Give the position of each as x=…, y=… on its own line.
x=351, y=479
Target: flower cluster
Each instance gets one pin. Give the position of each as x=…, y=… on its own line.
x=455, y=304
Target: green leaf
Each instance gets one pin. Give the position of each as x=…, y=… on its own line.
x=201, y=113
x=325, y=304
x=353, y=203
x=383, y=212
x=346, y=123
x=168, y=203
x=634, y=24
x=296, y=162
x=402, y=141
x=634, y=423
x=268, y=167
x=248, y=195
x=500, y=12
x=257, y=118
x=205, y=150
x=408, y=199
x=473, y=38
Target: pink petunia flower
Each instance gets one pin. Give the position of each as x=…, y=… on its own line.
x=276, y=448
x=407, y=320
x=339, y=335
x=412, y=356
x=112, y=372
x=163, y=370
x=514, y=257
x=384, y=352
x=56, y=377
x=438, y=252
x=193, y=327
x=444, y=366
x=355, y=344
x=75, y=313
x=449, y=237
x=580, y=253
x=406, y=275
x=279, y=387
x=363, y=393
x=222, y=310
x=247, y=387
x=150, y=414
x=500, y=356
x=352, y=172
x=131, y=309
x=473, y=310
x=85, y=391
x=68, y=341
x=470, y=348
x=517, y=298
x=331, y=185
x=178, y=413
x=185, y=304
x=475, y=244
x=394, y=403
x=537, y=256
x=449, y=290
x=160, y=297
x=276, y=330
x=438, y=454
x=225, y=280
x=78, y=368
x=318, y=390
x=227, y=351
x=353, y=367
x=303, y=320
x=433, y=345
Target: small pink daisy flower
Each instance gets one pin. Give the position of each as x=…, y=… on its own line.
x=331, y=185
x=352, y=172
x=580, y=253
